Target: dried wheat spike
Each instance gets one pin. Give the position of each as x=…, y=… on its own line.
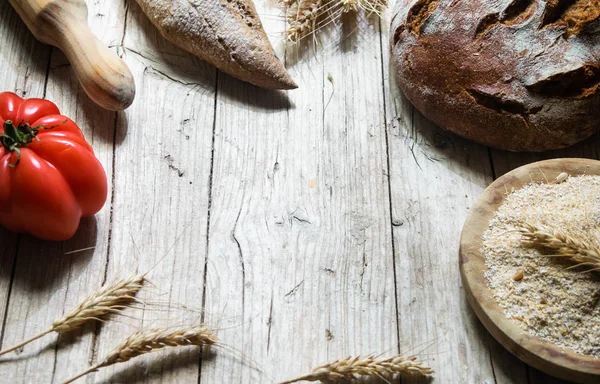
x=350, y=369
x=302, y=18
x=110, y=299
x=147, y=341
x=143, y=342
x=564, y=242
x=306, y=17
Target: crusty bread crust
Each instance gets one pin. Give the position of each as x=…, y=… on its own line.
x=226, y=33
x=520, y=75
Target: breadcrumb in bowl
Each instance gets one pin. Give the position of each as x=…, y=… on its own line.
x=535, y=289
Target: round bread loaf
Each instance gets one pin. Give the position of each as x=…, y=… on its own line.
x=521, y=75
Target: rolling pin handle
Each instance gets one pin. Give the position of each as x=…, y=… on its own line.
x=63, y=23
x=102, y=73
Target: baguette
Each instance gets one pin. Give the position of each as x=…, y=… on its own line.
x=226, y=33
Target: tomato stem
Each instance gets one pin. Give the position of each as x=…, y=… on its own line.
x=16, y=137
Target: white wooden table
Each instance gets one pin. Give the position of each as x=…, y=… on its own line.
x=306, y=226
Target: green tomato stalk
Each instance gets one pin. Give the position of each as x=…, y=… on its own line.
x=16, y=137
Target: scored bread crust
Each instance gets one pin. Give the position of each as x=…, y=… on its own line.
x=520, y=75
x=226, y=33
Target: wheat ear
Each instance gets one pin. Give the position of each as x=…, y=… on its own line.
x=302, y=18
x=350, y=369
x=306, y=17
x=143, y=342
x=110, y=299
x=566, y=244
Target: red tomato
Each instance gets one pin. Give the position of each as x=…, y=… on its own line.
x=49, y=175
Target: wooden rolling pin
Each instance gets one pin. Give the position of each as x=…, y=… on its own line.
x=63, y=23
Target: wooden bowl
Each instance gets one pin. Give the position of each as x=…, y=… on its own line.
x=532, y=350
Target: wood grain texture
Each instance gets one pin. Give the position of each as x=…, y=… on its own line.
x=308, y=225
x=300, y=252
x=542, y=355
x=163, y=149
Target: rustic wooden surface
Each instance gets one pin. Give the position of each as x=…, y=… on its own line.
x=305, y=226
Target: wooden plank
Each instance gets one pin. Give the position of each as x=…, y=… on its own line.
x=163, y=152
x=23, y=63
x=300, y=267
x=435, y=177
x=86, y=269
x=46, y=281
x=24, y=77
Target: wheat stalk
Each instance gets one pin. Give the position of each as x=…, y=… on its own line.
x=306, y=17
x=563, y=242
x=143, y=342
x=110, y=299
x=349, y=369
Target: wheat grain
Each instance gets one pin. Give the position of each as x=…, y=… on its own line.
x=565, y=243
x=350, y=5
x=110, y=299
x=147, y=341
x=349, y=369
x=561, y=178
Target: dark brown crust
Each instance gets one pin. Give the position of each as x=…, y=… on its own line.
x=521, y=75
